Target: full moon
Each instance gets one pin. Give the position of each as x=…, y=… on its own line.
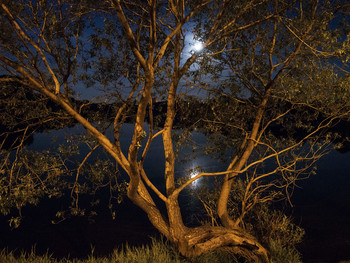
x=198, y=46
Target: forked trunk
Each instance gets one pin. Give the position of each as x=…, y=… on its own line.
x=199, y=240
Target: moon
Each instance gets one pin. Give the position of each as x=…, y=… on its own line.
x=197, y=46
x=193, y=173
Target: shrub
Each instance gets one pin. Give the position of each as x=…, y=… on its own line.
x=273, y=228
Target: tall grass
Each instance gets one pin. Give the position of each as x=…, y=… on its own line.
x=9, y=257
x=159, y=251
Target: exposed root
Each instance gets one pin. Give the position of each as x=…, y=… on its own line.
x=206, y=238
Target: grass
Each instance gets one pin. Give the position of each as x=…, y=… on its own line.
x=158, y=252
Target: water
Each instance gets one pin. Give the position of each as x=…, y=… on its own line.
x=321, y=206
x=154, y=162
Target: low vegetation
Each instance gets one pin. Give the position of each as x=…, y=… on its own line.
x=159, y=251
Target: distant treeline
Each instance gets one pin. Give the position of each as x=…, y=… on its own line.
x=25, y=111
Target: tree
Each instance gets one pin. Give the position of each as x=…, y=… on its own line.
x=265, y=66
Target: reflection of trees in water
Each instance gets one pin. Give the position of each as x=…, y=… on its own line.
x=24, y=112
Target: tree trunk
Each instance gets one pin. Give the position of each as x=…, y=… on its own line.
x=199, y=240
x=192, y=242
x=238, y=163
x=205, y=239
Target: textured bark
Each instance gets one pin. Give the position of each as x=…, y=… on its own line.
x=205, y=239
x=143, y=200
